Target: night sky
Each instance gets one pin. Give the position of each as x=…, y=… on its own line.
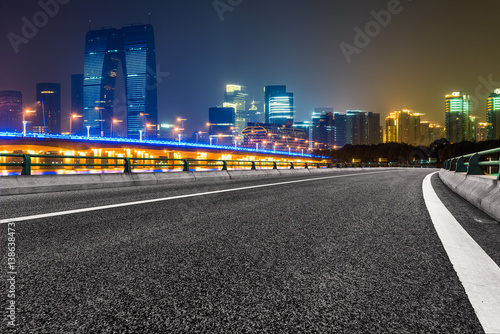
x=430, y=48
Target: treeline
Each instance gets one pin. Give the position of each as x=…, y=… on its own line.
x=438, y=151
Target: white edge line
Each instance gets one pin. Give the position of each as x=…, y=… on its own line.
x=118, y=205
x=479, y=274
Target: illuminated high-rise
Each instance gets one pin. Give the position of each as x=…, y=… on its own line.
x=493, y=116
x=105, y=49
x=221, y=125
x=322, y=130
x=48, y=109
x=403, y=126
x=235, y=97
x=457, y=117
x=11, y=111
x=278, y=105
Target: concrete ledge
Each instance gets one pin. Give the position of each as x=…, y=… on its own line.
x=174, y=177
x=481, y=190
x=246, y=174
x=294, y=171
x=212, y=175
x=31, y=184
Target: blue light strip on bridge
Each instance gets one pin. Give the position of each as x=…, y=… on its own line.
x=152, y=142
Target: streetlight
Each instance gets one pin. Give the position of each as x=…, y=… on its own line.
x=71, y=122
x=100, y=119
x=24, y=128
x=146, y=128
x=179, y=138
x=236, y=142
x=182, y=124
x=140, y=135
x=113, y=122
x=88, y=131
x=256, y=147
x=275, y=147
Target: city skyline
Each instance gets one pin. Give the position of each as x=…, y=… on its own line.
x=405, y=65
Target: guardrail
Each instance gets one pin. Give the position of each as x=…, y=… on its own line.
x=25, y=162
x=126, y=164
x=472, y=164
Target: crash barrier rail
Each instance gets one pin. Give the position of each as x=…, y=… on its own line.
x=127, y=164
x=475, y=163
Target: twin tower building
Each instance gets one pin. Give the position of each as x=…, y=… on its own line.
x=134, y=48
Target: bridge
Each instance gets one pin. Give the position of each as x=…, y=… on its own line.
x=364, y=250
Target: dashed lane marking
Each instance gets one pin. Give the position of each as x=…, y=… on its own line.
x=479, y=274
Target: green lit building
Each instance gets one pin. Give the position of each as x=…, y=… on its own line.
x=493, y=116
x=457, y=118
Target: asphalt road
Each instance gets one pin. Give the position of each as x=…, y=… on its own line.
x=356, y=253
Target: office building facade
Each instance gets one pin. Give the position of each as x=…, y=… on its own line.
x=493, y=116
x=221, y=125
x=48, y=109
x=278, y=106
x=457, y=117
x=236, y=97
x=11, y=111
x=134, y=48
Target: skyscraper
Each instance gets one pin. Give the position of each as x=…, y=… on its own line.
x=48, y=109
x=11, y=111
x=493, y=116
x=278, y=105
x=372, y=128
x=221, y=125
x=355, y=127
x=457, y=117
x=134, y=47
x=403, y=126
x=235, y=96
x=323, y=127
x=339, y=129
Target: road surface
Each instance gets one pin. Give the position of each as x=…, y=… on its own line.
x=350, y=251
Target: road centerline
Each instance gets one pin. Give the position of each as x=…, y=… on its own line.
x=118, y=205
x=479, y=274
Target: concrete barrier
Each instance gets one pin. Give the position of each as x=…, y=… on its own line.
x=481, y=190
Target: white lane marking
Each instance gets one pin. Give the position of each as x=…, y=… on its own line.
x=479, y=274
x=112, y=206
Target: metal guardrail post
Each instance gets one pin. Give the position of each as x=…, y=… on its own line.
x=291, y=165
x=26, y=165
x=127, y=166
x=461, y=168
x=253, y=165
x=474, y=168
x=275, y=165
x=186, y=166
x=224, y=165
